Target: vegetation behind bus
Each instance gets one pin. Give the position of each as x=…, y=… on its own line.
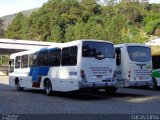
x=66, y=20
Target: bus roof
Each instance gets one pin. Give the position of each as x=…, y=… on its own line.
x=75, y=42
x=130, y=44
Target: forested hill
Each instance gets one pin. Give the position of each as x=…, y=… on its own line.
x=67, y=20
x=8, y=18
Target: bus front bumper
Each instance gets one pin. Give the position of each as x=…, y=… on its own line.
x=96, y=84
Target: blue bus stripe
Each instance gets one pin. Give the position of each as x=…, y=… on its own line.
x=35, y=72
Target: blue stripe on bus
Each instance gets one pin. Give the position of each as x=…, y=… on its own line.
x=31, y=71
x=43, y=71
x=35, y=75
x=35, y=72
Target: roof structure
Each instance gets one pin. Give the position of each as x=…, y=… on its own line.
x=9, y=46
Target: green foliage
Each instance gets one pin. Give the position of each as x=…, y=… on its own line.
x=15, y=29
x=4, y=59
x=67, y=20
x=1, y=29
x=151, y=26
x=56, y=34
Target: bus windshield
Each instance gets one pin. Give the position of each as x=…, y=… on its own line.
x=98, y=50
x=139, y=53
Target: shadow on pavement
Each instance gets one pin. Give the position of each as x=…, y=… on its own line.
x=87, y=95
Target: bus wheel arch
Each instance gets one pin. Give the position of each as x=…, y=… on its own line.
x=47, y=86
x=154, y=83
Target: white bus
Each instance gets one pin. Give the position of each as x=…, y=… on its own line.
x=69, y=66
x=156, y=71
x=134, y=65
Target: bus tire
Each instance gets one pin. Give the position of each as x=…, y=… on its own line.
x=19, y=88
x=111, y=90
x=154, y=84
x=47, y=87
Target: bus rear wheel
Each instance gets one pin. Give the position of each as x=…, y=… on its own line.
x=154, y=84
x=47, y=87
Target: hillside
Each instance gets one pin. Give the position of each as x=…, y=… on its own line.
x=8, y=18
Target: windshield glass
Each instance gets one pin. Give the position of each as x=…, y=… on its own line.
x=97, y=49
x=139, y=53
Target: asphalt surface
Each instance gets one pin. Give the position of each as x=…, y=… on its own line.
x=125, y=101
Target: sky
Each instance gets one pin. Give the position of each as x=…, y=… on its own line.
x=8, y=7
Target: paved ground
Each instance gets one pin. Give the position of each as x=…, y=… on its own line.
x=4, y=80
x=125, y=101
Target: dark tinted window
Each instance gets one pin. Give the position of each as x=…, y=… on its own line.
x=139, y=53
x=69, y=56
x=156, y=62
x=42, y=58
x=24, y=61
x=11, y=65
x=97, y=49
x=54, y=57
x=118, y=56
x=18, y=62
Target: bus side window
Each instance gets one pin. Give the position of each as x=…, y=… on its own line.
x=51, y=57
x=54, y=57
x=18, y=62
x=57, y=57
x=65, y=57
x=33, y=60
x=118, y=56
x=11, y=66
x=42, y=58
x=73, y=55
x=69, y=56
x=24, y=61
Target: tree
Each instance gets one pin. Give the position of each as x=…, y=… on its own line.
x=157, y=31
x=118, y=21
x=1, y=28
x=90, y=8
x=56, y=34
x=14, y=30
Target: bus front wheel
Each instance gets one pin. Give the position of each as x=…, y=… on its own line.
x=47, y=87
